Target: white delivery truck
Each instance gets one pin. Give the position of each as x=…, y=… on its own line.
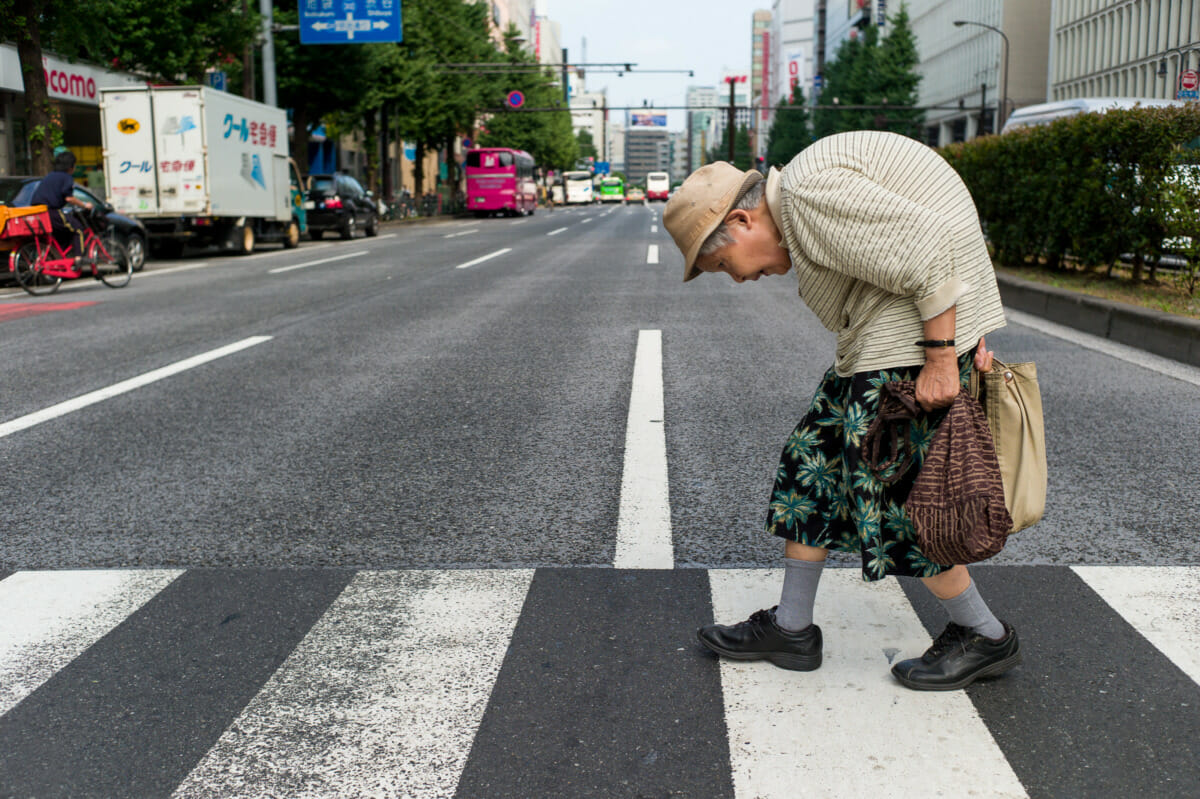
x=199, y=165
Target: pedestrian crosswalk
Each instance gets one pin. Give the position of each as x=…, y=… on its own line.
x=572, y=682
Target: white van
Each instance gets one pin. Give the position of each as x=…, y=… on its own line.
x=1045, y=113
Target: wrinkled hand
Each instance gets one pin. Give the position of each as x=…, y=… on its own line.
x=937, y=383
x=983, y=357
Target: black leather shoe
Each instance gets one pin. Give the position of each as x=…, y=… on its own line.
x=760, y=638
x=959, y=657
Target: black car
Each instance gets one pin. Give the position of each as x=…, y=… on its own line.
x=338, y=202
x=17, y=191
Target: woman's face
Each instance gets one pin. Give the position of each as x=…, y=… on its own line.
x=755, y=251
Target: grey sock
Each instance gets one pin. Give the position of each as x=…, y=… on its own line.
x=969, y=610
x=800, y=580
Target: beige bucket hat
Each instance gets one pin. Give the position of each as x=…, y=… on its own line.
x=698, y=207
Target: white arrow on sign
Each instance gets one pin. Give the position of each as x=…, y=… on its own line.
x=350, y=25
x=379, y=26
x=322, y=26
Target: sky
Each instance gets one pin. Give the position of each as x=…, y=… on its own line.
x=706, y=36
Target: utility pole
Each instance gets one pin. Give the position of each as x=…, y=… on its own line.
x=604, y=136
x=983, y=110
x=247, y=60
x=730, y=127
x=268, y=53
x=566, y=84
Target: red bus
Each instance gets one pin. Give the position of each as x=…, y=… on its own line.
x=500, y=180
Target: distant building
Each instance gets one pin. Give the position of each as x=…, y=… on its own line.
x=699, y=124
x=760, y=79
x=547, y=42
x=647, y=149
x=961, y=67
x=517, y=12
x=679, y=156
x=1120, y=48
x=793, y=55
x=588, y=111
x=616, y=147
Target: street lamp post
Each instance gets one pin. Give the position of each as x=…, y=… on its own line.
x=1003, y=104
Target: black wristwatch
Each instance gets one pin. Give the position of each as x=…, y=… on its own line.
x=936, y=342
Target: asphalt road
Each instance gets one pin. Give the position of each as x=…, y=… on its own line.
x=406, y=412
x=336, y=499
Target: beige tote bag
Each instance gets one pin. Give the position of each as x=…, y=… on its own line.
x=1012, y=402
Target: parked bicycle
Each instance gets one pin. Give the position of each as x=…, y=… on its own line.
x=40, y=263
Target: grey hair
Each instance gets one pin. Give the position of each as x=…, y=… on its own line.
x=721, y=236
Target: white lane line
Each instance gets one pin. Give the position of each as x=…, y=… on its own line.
x=483, y=258
x=644, y=514
x=386, y=236
x=1155, y=363
x=556, y=232
x=48, y=618
x=1160, y=602
x=172, y=269
x=519, y=222
x=652, y=254
x=584, y=222
x=460, y=233
x=654, y=228
x=307, y=264
x=871, y=726
x=381, y=698
x=92, y=397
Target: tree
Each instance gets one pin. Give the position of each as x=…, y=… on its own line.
x=896, y=76
x=546, y=135
x=173, y=41
x=867, y=71
x=24, y=18
x=315, y=80
x=587, y=144
x=426, y=102
x=743, y=158
x=790, y=131
x=168, y=41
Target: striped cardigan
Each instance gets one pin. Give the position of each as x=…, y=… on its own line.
x=882, y=235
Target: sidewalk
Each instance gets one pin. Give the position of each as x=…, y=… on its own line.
x=1168, y=335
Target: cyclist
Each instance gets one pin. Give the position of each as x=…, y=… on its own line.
x=56, y=191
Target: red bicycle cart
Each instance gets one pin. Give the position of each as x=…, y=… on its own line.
x=40, y=263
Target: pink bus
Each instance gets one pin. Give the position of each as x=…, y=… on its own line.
x=500, y=180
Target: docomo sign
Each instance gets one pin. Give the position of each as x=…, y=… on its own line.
x=69, y=84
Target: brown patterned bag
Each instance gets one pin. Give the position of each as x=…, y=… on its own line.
x=957, y=502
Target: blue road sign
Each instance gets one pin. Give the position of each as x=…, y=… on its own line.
x=350, y=21
x=515, y=99
x=217, y=79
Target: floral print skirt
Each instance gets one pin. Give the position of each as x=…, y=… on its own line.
x=825, y=496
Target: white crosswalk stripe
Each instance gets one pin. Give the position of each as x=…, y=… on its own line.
x=386, y=693
x=867, y=725
x=48, y=618
x=382, y=697
x=1161, y=602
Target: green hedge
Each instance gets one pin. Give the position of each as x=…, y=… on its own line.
x=1093, y=186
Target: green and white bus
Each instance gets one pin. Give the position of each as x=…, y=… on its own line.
x=612, y=190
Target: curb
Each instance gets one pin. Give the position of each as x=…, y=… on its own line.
x=1169, y=335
